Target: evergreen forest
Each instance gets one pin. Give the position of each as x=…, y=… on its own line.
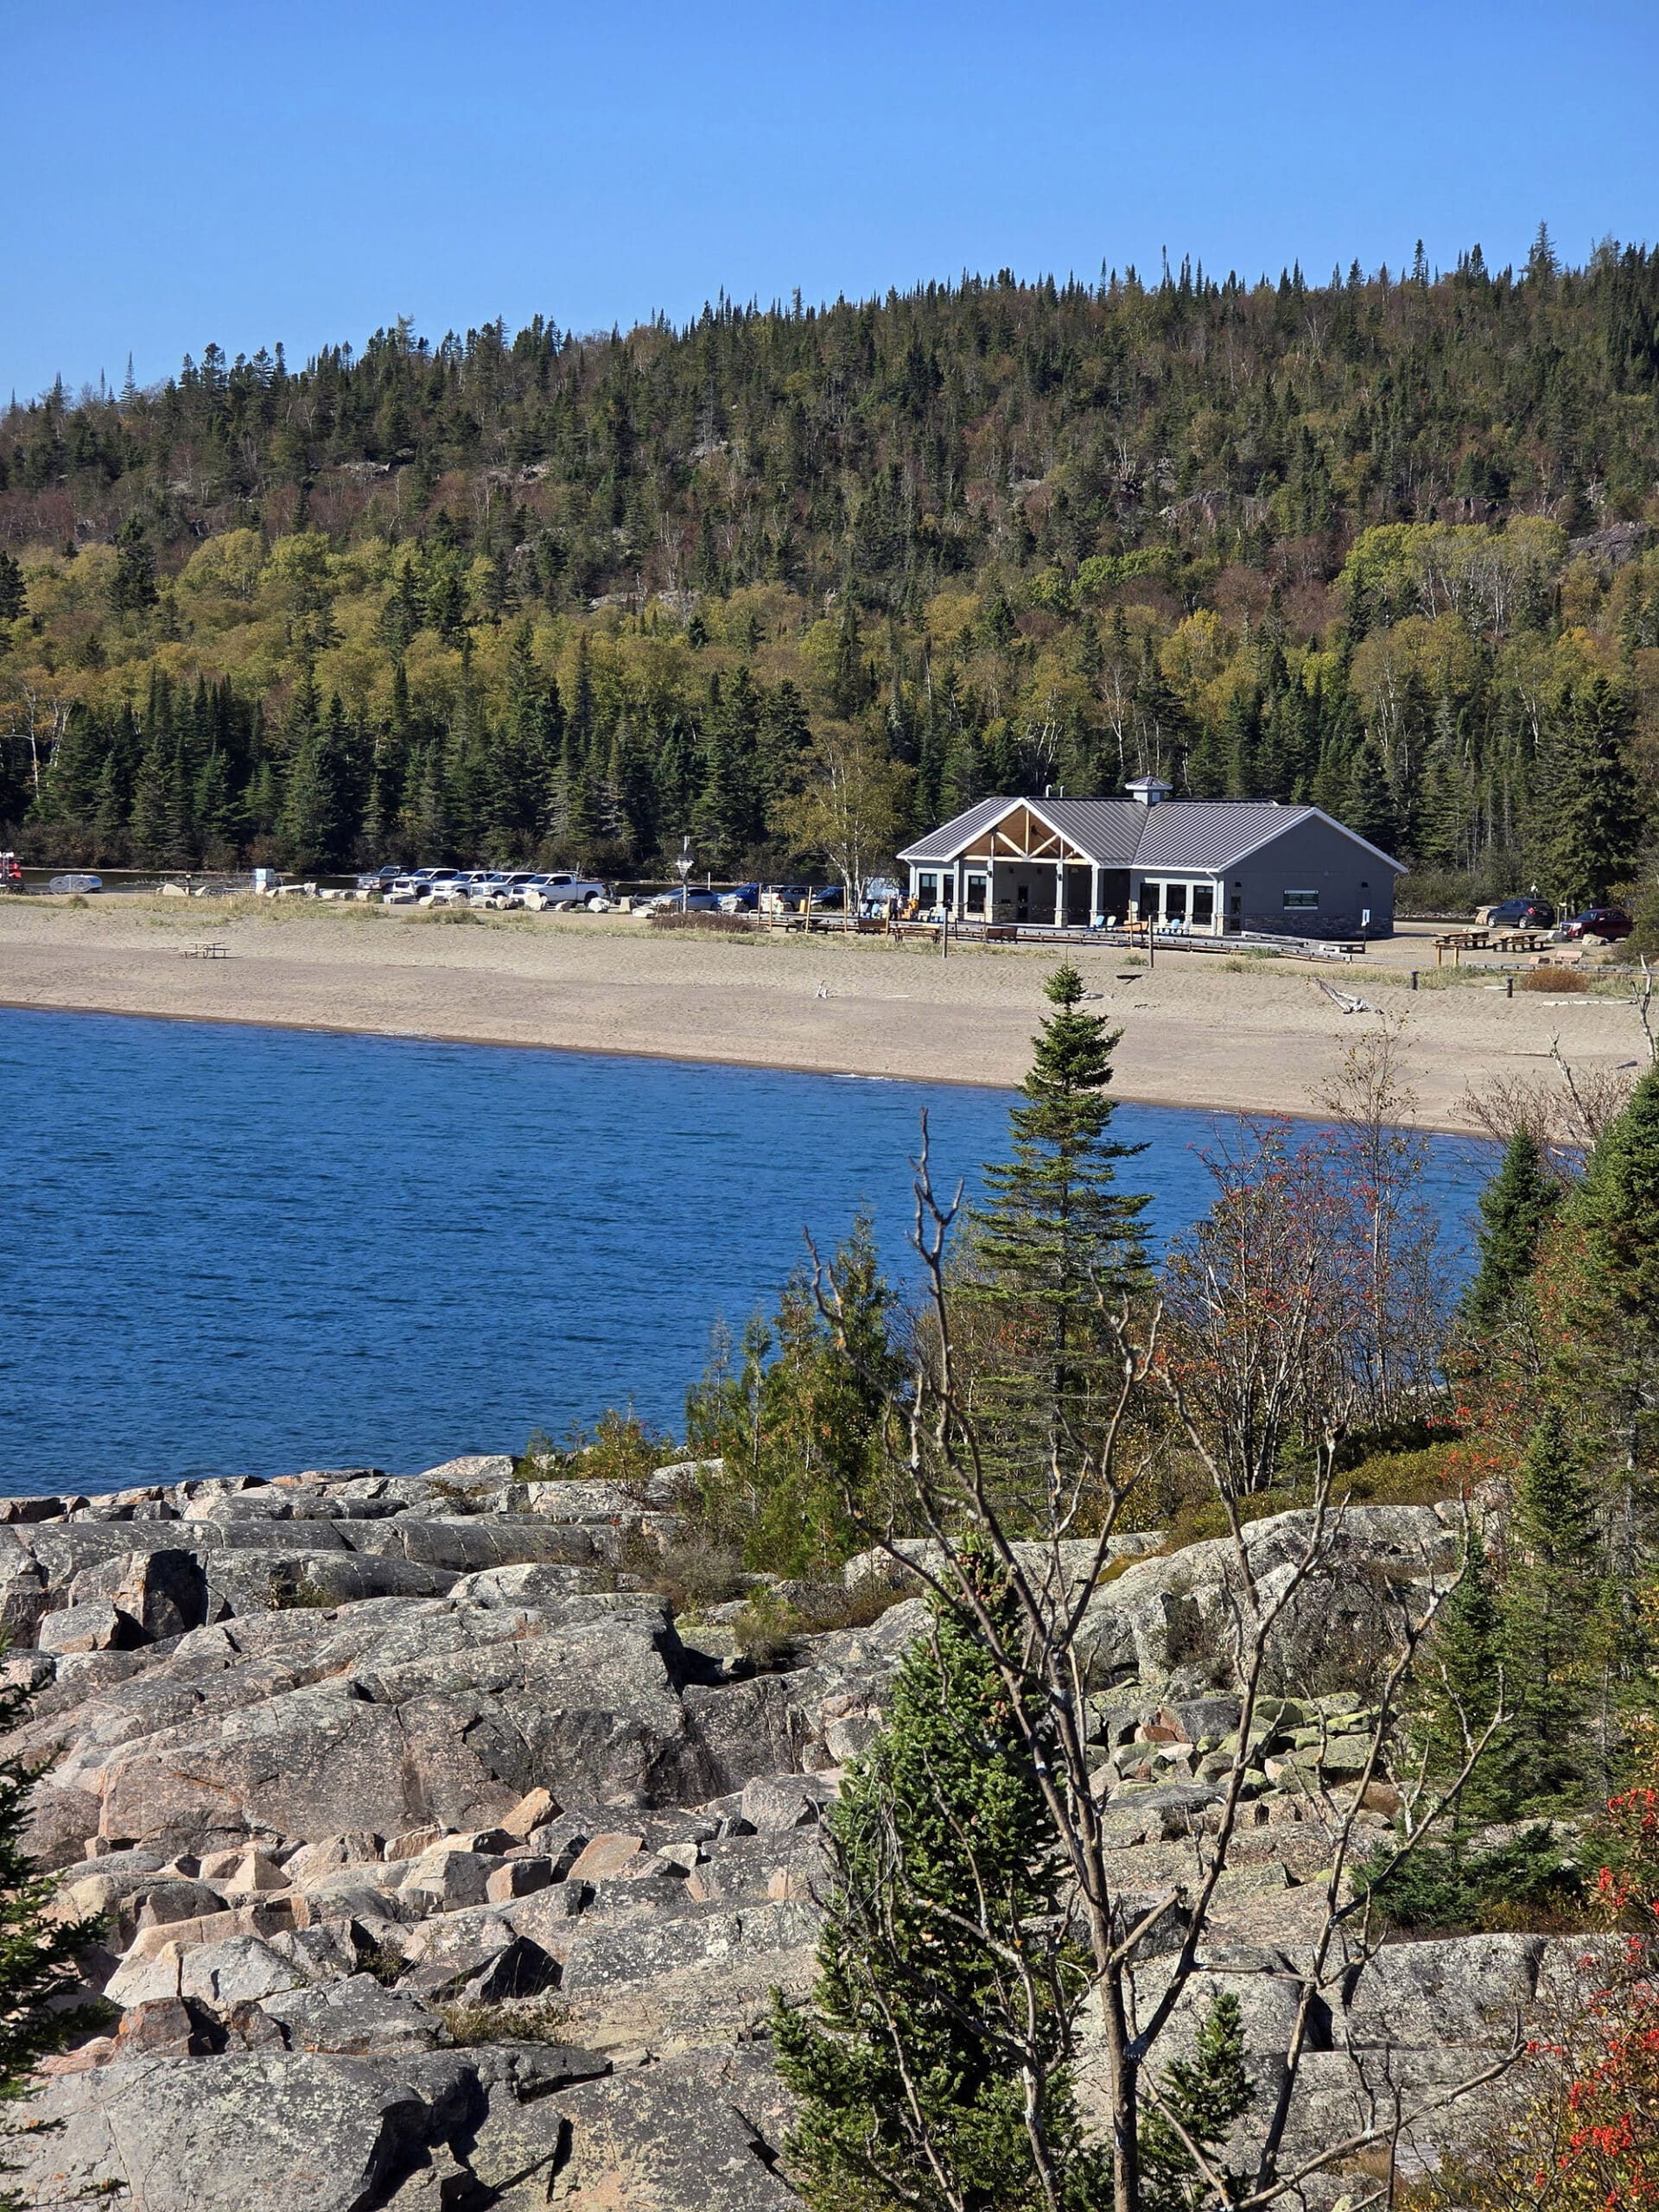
x=793, y=578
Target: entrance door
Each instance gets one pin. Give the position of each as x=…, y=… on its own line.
x=1078, y=887
x=1022, y=903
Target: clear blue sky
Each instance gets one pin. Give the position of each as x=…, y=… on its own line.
x=181, y=172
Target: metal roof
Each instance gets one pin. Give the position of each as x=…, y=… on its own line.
x=1210, y=834
x=946, y=843
x=1205, y=835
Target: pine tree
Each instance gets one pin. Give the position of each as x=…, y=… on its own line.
x=1207, y=2094
x=1054, y=1238
x=1515, y=1207
x=942, y=1849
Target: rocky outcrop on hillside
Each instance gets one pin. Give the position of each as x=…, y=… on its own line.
x=439, y=1865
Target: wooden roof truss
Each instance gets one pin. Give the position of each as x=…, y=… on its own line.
x=1020, y=836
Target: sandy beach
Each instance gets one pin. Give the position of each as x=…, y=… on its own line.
x=1197, y=1030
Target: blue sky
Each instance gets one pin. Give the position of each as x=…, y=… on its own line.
x=184, y=172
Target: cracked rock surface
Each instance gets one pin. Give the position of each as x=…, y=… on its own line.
x=439, y=1868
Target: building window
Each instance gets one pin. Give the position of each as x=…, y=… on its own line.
x=1307, y=901
x=927, y=890
x=1203, y=905
x=1174, y=902
x=976, y=901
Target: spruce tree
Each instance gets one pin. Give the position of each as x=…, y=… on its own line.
x=1207, y=2094
x=39, y=1955
x=1461, y=1684
x=1368, y=806
x=1551, y=1599
x=1595, y=820
x=14, y=596
x=1055, y=1243
x=132, y=587
x=150, y=826
x=1617, y=1206
x=1514, y=1207
x=797, y=1432
x=941, y=1840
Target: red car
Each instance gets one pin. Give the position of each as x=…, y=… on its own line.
x=1600, y=921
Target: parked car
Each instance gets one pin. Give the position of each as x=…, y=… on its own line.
x=783, y=899
x=74, y=882
x=830, y=900
x=1521, y=914
x=743, y=900
x=381, y=879
x=430, y=875
x=1600, y=921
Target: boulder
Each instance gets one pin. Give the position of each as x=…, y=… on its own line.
x=288, y=2131
x=95, y=1626
x=773, y=1803
x=692, y=2133
x=606, y=1857
x=1434, y=1995
x=354, y=2018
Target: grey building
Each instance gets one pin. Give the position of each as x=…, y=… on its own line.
x=1205, y=866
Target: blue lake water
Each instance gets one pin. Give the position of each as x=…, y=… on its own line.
x=242, y=1250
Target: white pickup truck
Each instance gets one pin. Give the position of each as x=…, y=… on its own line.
x=550, y=892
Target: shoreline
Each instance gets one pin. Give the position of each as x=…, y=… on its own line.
x=515, y=1044
x=1212, y=1033
x=676, y=1060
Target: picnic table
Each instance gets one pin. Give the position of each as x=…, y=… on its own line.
x=1523, y=941
x=1457, y=942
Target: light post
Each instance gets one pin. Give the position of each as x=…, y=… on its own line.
x=684, y=868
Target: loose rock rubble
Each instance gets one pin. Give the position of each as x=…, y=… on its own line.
x=440, y=1867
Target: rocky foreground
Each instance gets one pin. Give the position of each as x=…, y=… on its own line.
x=439, y=1868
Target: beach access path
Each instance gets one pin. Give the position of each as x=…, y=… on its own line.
x=1198, y=1030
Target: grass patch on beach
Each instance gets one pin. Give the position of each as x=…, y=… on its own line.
x=1554, y=979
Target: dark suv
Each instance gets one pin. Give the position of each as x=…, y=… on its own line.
x=1600, y=921
x=1522, y=914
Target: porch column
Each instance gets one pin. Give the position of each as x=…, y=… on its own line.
x=990, y=891
x=1060, y=895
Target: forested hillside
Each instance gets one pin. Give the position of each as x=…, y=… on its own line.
x=785, y=578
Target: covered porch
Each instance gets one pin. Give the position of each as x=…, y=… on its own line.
x=1020, y=870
